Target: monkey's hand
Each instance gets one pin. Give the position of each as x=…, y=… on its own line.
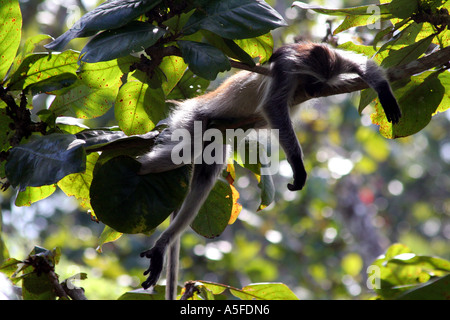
x=156, y=256
x=299, y=180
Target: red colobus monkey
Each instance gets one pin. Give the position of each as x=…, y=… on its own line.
x=305, y=68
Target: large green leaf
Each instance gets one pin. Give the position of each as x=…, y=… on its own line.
x=260, y=47
x=32, y=194
x=132, y=203
x=235, y=19
x=138, y=108
x=45, y=160
x=173, y=68
x=436, y=289
x=203, y=59
x=42, y=66
x=403, y=8
x=407, y=54
x=416, y=111
x=78, y=184
x=131, y=38
x=405, y=275
x=189, y=86
x=361, y=10
x=10, y=34
x=105, y=74
x=213, y=217
x=229, y=47
x=265, y=291
x=84, y=101
x=109, y=15
x=157, y=293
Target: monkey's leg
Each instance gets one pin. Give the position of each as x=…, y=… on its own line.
x=203, y=179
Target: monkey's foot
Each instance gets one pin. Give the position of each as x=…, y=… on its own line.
x=156, y=256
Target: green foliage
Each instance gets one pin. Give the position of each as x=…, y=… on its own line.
x=182, y=48
x=10, y=33
x=404, y=275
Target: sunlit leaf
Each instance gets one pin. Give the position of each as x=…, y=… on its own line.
x=265, y=291
x=84, y=102
x=138, y=108
x=78, y=184
x=108, y=235
x=10, y=34
x=42, y=66
x=32, y=194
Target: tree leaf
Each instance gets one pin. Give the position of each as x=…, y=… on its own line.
x=120, y=42
x=5, y=122
x=105, y=74
x=265, y=291
x=173, y=68
x=416, y=110
x=78, y=184
x=228, y=47
x=45, y=160
x=58, y=82
x=213, y=217
x=260, y=47
x=37, y=287
x=10, y=34
x=132, y=203
x=436, y=289
x=84, y=102
x=32, y=194
x=403, y=8
x=203, y=59
x=42, y=66
x=406, y=54
x=401, y=272
x=138, y=108
x=157, y=293
x=361, y=10
x=235, y=19
x=109, y=15
x=189, y=86
x=108, y=235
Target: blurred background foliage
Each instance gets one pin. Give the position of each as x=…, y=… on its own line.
x=363, y=194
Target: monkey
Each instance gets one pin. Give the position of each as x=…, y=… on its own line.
x=300, y=68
